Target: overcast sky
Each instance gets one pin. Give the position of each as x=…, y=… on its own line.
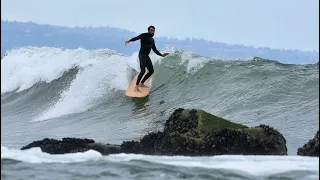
x=285, y=24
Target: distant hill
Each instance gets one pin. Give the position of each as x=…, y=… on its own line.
x=19, y=34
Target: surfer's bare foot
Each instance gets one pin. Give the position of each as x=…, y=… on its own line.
x=136, y=89
x=142, y=85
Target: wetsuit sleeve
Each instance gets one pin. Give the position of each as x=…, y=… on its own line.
x=156, y=50
x=137, y=37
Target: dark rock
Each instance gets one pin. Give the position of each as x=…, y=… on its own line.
x=186, y=132
x=235, y=141
x=196, y=132
x=105, y=149
x=147, y=145
x=162, y=102
x=131, y=147
x=67, y=145
x=181, y=121
x=72, y=145
x=178, y=144
x=311, y=148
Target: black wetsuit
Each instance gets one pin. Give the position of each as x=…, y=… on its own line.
x=147, y=43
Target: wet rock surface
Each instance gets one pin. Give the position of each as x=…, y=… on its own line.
x=188, y=132
x=311, y=148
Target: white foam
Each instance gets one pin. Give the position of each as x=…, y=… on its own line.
x=35, y=155
x=22, y=68
x=254, y=165
x=193, y=63
x=91, y=86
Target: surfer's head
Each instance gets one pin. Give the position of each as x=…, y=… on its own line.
x=151, y=30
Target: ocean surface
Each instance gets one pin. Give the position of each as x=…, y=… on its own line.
x=53, y=93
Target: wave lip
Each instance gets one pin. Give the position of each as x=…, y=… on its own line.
x=22, y=68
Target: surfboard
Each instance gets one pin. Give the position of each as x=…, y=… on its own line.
x=143, y=91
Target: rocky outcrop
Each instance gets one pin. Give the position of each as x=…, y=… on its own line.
x=311, y=148
x=196, y=132
x=72, y=145
x=186, y=132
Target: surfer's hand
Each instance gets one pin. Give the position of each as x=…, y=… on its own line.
x=164, y=54
x=127, y=42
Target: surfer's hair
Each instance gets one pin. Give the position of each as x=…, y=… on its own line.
x=151, y=27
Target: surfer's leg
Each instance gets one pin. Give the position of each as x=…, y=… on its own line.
x=150, y=69
x=142, y=71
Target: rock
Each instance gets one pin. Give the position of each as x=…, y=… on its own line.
x=248, y=141
x=67, y=145
x=311, y=148
x=72, y=145
x=186, y=132
x=196, y=132
x=147, y=145
x=105, y=149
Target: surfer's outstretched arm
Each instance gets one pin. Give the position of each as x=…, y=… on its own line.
x=157, y=52
x=135, y=38
x=154, y=48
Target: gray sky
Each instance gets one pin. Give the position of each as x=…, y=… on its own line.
x=284, y=24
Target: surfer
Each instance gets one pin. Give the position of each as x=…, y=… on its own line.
x=146, y=44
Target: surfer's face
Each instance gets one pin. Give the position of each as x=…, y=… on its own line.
x=151, y=32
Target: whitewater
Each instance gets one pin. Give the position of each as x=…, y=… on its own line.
x=55, y=93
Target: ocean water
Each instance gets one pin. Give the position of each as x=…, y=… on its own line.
x=55, y=93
